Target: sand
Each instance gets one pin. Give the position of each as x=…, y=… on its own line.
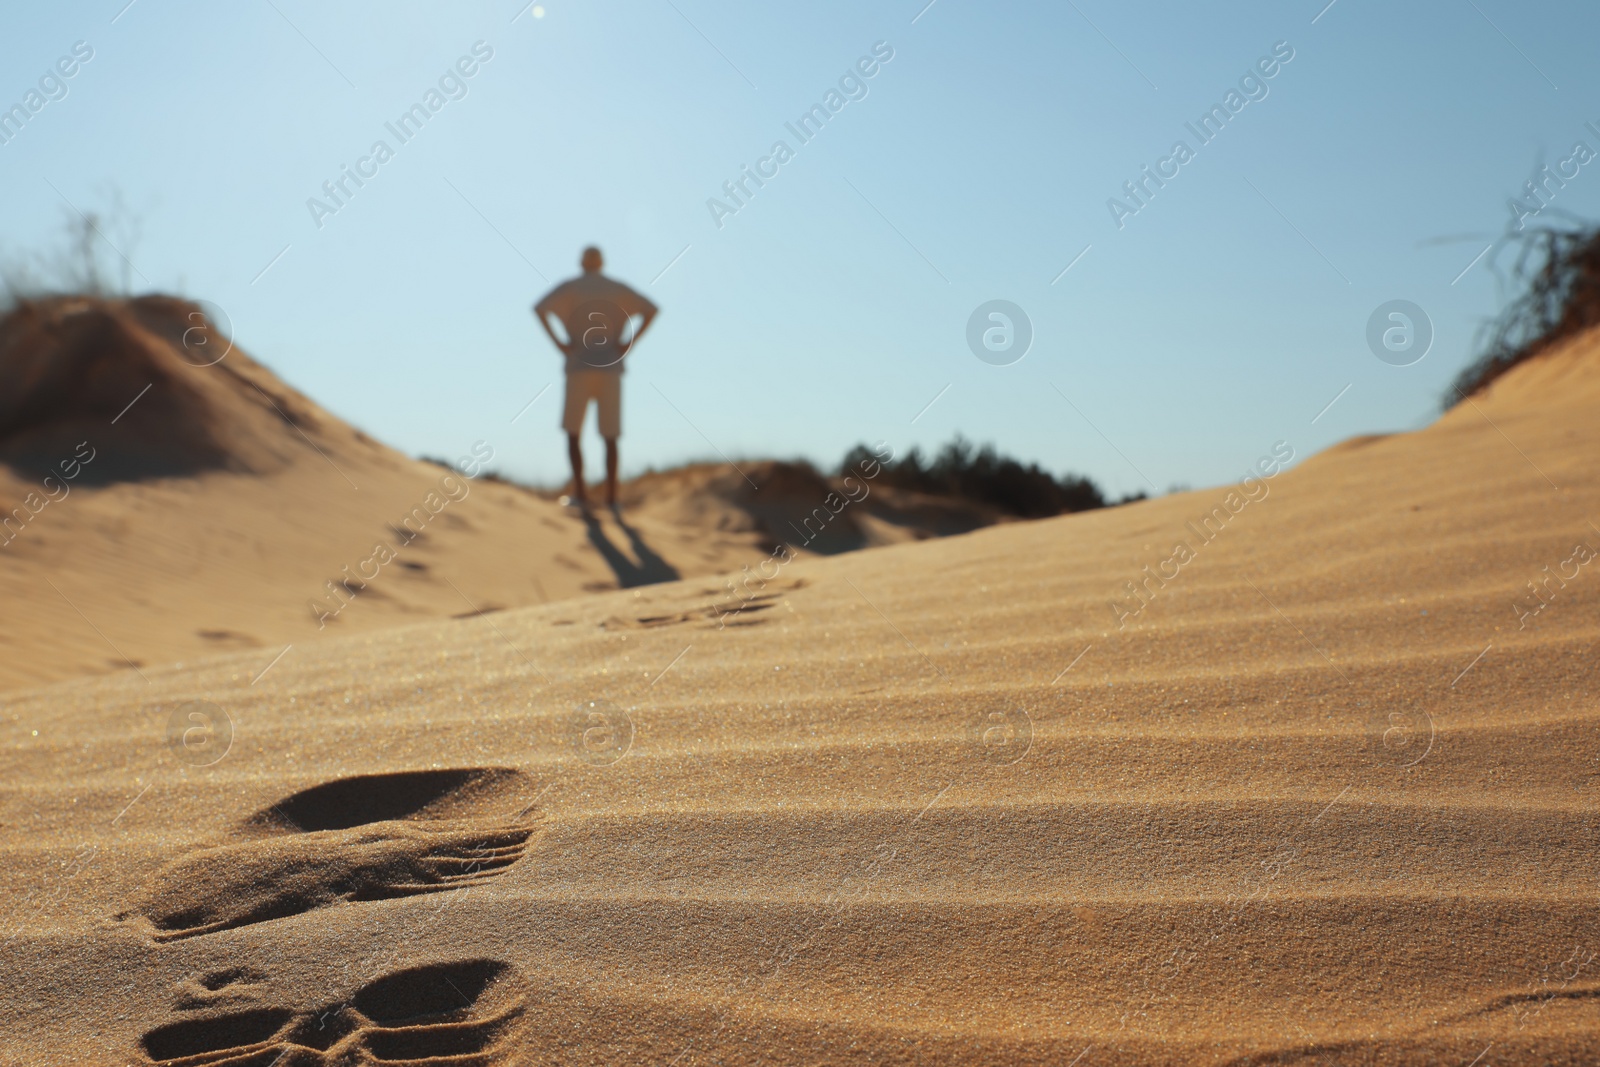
x=1327, y=797
x=213, y=507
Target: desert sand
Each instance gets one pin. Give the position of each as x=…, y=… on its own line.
x=1327, y=797
x=213, y=507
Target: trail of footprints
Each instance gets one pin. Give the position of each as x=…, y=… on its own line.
x=728, y=609
x=372, y=837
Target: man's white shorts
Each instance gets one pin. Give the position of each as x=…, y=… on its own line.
x=604, y=387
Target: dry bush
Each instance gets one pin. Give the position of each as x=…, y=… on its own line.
x=1557, y=269
x=90, y=258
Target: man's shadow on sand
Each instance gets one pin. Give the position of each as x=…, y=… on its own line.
x=650, y=567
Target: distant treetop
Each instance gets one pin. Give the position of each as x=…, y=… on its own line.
x=982, y=474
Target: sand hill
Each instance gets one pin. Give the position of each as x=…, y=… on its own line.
x=1327, y=796
x=165, y=502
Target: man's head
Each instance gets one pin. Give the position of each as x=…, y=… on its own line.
x=592, y=261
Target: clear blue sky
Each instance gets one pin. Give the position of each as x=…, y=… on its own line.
x=833, y=307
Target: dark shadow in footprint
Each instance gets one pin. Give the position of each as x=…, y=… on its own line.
x=369, y=798
x=436, y=990
x=373, y=837
x=457, y=1013
x=236, y=1032
x=443, y=1041
x=429, y=1011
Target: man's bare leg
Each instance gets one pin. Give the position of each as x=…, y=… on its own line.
x=611, y=471
x=575, y=453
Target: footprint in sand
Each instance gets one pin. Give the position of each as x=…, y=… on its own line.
x=461, y=1013
x=374, y=837
x=728, y=609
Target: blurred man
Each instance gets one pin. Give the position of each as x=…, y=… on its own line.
x=597, y=314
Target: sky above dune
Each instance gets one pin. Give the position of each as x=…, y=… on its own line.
x=1187, y=308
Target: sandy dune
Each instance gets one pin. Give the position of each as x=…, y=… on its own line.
x=209, y=507
x=1327, y=796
